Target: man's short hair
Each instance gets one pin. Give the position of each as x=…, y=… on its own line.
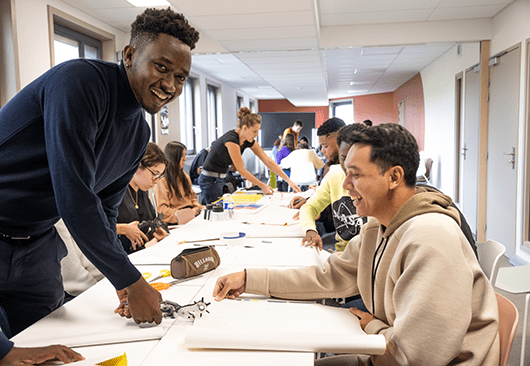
x=346, y=132
x=298, y=123
x=331, y=125
x=148, y=25
x=304, y=139
x=392, y=145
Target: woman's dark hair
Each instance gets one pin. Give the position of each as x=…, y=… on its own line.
x=175, y=176
x=288, y=141
x=153, y=155
x=148, y=25
x=246, y=118
x=392, y=145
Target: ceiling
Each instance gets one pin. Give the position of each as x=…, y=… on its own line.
x=310, y=51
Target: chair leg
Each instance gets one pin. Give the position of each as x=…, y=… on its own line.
x=524, y=327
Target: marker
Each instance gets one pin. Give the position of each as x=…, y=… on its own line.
x=297, y=201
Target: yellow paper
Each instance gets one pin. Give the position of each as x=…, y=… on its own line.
x=116, y=361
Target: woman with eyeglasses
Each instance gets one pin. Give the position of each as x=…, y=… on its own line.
x=175, y=198
x=136, y=207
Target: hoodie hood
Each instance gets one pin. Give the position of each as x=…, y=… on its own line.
x=426, y=200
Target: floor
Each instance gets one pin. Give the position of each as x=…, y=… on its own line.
x=518, y=300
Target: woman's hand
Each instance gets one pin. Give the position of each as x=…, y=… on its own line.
x=197, y=210
x=160, y=234
x=266, y=189
x=364, y=317
x=294, y=186
x=135, y=235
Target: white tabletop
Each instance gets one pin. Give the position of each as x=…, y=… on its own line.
x=89, y=325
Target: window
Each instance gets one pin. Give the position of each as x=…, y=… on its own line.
x=240, y=102
x=70, y=44
x=187, y=110
x=213, y=127
x=343, y=109
x=253, y=107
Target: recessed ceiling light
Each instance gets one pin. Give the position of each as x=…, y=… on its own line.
x=143, y=3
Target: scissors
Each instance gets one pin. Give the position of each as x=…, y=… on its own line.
x=163, y=273
x=159, y=286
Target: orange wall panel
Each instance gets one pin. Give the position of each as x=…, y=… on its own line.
x=376, y=107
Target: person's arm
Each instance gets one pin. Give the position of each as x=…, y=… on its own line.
x=163, y=202
x=75, y=111
x=269, y=163
x=317, y=162
x=337, y=278
x=37, y=355
x=235, y=154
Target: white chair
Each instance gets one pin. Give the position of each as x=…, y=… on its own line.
x=303, y=173
x=517, y=281
x=489, y=256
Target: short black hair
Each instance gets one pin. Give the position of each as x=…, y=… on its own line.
x=303, y=138
x=298, y=123
x=392, y=145
x=148, y=25
x=345, y=133
x=331, y=125
x=368, y=122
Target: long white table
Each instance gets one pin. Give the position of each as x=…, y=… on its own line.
x=88, y=324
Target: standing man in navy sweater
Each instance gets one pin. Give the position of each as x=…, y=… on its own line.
x=70, y=142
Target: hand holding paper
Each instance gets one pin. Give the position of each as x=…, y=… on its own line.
x=230, y=286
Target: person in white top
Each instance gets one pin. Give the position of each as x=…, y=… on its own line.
x=301, y=154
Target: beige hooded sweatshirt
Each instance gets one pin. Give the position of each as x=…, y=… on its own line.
x=419, y=277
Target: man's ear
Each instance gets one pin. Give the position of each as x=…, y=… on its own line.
x=397, y=176
x=128, y=53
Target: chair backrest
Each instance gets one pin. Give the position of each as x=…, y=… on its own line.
x=428, y=168
x=303, y=173
x=489, y=257
x=508, y=320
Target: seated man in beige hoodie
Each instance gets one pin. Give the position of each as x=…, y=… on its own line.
x=411, y=263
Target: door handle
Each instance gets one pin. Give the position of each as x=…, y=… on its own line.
x=512, y=154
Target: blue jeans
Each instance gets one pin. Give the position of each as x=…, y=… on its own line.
x=355, y=302
x=31, y=285
x=211, y=187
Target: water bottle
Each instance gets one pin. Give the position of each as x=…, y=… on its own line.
x=228, y=205
x=273, y=179
x=218, y=213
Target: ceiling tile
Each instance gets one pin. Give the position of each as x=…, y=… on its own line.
x=465, y=12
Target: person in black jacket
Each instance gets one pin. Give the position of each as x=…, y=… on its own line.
x=71, y=141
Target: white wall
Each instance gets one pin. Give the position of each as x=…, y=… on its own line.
x=510, y=27
x=439, y=98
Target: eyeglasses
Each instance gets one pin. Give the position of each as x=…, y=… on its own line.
x=155, y=176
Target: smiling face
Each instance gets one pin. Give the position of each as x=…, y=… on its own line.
x=369, y=189
x=158, y=71
x=329, y=146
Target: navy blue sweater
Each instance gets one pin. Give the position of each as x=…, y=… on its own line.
x=70, y=142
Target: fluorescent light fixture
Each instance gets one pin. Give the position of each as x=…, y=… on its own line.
x=144, y=3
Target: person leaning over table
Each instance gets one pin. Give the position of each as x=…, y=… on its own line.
x=227, y=149
x=412, y=264
x=175, y=198
x=136, y=206
x=71, y=141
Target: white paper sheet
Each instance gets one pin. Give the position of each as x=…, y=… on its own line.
x=281, y=326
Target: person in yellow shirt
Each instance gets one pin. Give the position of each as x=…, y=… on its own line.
x=295, y=130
